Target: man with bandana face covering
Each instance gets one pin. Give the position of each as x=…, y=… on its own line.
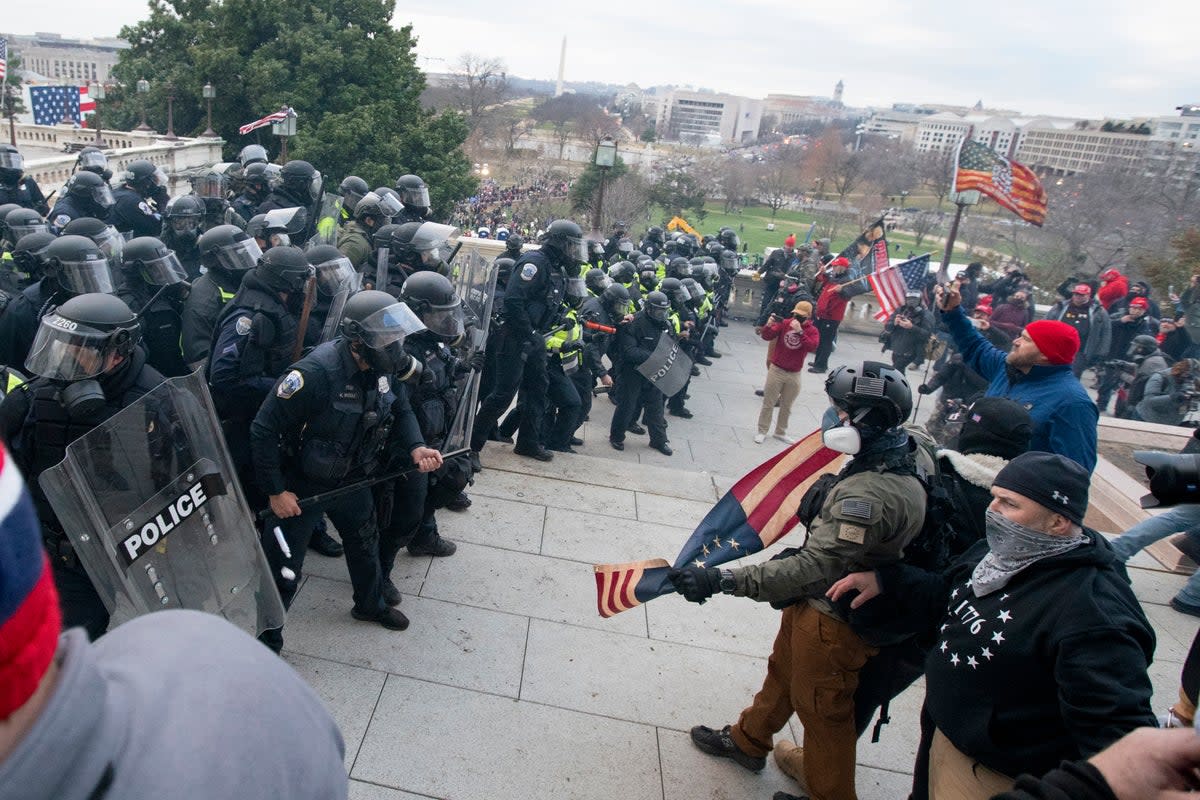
x=1042, y=648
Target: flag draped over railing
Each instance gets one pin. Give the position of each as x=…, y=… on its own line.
x=757, y=512
x=891, y=283
x=1010, y=184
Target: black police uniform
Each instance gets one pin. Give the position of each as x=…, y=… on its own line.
x=246, y=205
x=410, y=215
x=280, y=197
x=19, y=323
x=161, y=324
x=635, y=343
x=69, y=208
x=25, y=193
x=210, y=292
x=533, y=303
x=38, y=429
x=132, y=213
x=334, y=422
x=187, y=250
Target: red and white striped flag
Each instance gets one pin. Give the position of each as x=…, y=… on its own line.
x=889, y=288
x=278, y=116
x=86, y=104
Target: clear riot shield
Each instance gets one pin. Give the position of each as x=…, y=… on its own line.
x=329, y=215
x=155, y=513
x=476, y=285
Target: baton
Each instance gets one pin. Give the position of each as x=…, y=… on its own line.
x=310, y=297
x=333, y=494
x=596, y=326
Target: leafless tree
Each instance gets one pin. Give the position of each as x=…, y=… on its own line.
x=478, y=82
x=778, y=179
x=937, y=173
x=920, y=225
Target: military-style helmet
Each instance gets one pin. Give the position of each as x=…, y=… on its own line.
x=252, y=154
x=90, y=187
x=334, y=271
x=105, y=236
x=78, y=266
x=29, y=253
x=22, y=222
x=352, y=188
x=622, y=272
x=1142, y=346
x=301, y=179
x=214, y=183
x=380, y=207
x=7, y=209
x=83, y=338
x=729, y=239
x=597, y=281
x=657, y=306
x=875, y=395
x=184, y=213
x=431, y=297
x=379, y=324
x=615, y=300
x=413, y=192
x=565, y=238
x=143, y=177
x=156, y=263
x=654, y=233
x=229, y=248
x=284, y=269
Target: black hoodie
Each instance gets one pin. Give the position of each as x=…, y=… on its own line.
x=1052, y=667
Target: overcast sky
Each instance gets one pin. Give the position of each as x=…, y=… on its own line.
x=1094, y=59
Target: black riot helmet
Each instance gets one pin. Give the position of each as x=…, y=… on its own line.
x=431, y=297
x=597, y=281
x=377, y=207
x=694, y=289
x=90, y=188
x=421, y=245
x=143, y=177
x=564, y=239
x=230, y=249
x=257, y=180
x=657, y=306
x=5, y=210
x=875, y=395
x=673, y=288
x=382, y=237
x=214, y=183
x=376, y=324
x=729, y=239
x=622, y=272
x=654, y=233
x=301, y=179
x=575, y=292
x=183, y=215
x=12, y=164
x=1141, y=346
x=153, y=262
x=414, y=194
x=504, y=266
x=22, y=222
x=252, y=154
x=29, y=253
x=513, y=245
x=92, y=159
x=679, y=267
x=83, y=338
x=103, y=235
x=615, y=300
x=352, y=188
x=284, y=269
x=256, y=227
x=334, y=271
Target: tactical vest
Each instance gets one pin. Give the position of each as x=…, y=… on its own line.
x=434, y=399
x=347, y=438
x=556, y=342
x=256, y=360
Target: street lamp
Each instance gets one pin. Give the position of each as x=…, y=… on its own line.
x=209, y=94
x=606, y=158
x=171, y=137
x=97, y=93
x=143, y=88
x=285, y=128
x=858, y=134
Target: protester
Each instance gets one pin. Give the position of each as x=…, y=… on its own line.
x=1090, y=321
x=794, y=339
x=1169, y=393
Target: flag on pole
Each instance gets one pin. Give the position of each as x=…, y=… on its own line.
x=86, y=104
x=52, y=104
x=891, y=283
x=3, y=59
x=278, y=116
x=757, y=512
x=1010, y=184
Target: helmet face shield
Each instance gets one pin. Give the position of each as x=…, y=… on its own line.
x=66, y=350
x=103, y=196
x=92, y=160
x=576, y=249
x=185, y=223
x=431, y=240
x=239, y=256
x=314, y=186
x=11, y=159
x=389, y=325
x=16, y=231
x=389, y=204
x=112, y=245
x=86, y=276
x=445, y=321
x=335, y=275
x=656, y=313
x=417, y=197
x=163, y=271
x=210, y=185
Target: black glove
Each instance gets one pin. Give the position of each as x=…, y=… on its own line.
x=568, y=324
x=476, y=360
x=924, y=389
x=571, y=346
x=696, y=584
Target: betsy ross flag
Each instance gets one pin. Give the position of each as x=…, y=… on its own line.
x=756, y=513
x=278, y=116
x=1010, y=184
x=890, y=283
x=52, y=104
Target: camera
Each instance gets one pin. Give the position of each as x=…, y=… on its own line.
x=1173, y=479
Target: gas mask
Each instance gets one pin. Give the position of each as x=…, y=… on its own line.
x=838, y=434
x=82, y=399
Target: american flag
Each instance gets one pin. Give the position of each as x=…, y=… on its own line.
x=51, y=104
x=890, y=283
x=86, y=104
x=3, y=59
x=1010, y=184
x=278, y=116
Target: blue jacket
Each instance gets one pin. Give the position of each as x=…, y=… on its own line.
x=1064, y=416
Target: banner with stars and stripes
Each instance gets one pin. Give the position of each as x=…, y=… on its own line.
x=757, y=512
x=891, y=283
x=1010, y=184
x=53, y=104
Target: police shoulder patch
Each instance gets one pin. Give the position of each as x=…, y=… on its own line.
x=528, y=272
x=243, y=325
x=61, y=221
x=291, y=383
x=385, y=385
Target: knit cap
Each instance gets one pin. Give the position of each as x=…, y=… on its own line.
x=995, y=426
x=1058, y=341
x=29, y=617
x=1049, y=479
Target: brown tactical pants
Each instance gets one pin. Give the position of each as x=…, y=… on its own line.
x=812, y=671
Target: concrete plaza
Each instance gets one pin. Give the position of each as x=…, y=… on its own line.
x=509, y=686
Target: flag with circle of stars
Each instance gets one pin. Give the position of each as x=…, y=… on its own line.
x=988, y=631
x=52, y=103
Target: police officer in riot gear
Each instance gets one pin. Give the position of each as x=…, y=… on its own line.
x=15, y=186
x=140, y=200
x=214, y=189
x=608, y=311
x=513, y=245
x=371, y=212
x=155, y=287
x=635, y=343
x=299, y=187
x=414, y=195
x=336, y=280
x=86, y=195
x=331, y=420
x=182, y=221
x=256, y=187
x=252, y=154
x=533, y=305
x=92, y=159
x=227, y=253
x=352, y=189
x=21, y=222
x=73, y=265
x=414, y=247
x=24, y=267
x=652, y=242
x=596, y=281
x=89, y=366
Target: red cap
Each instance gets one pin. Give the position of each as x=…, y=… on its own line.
x=840, y=261
x=982, y=308
x=1082, y=288
x=1058, y=341
x=790, y=241
x=1140, y=302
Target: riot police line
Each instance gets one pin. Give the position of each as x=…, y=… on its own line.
x=182, y=373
